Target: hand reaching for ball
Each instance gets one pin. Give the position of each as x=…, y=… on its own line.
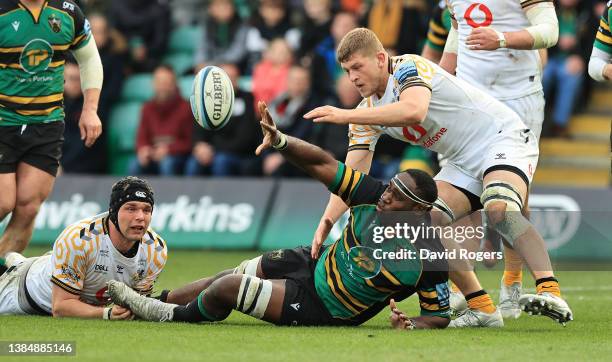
x=267, y=127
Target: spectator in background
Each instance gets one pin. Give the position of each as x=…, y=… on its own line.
x=401, y=25
x=163, y=141
x=566, y=65
x=230, y=150
x=270, y=75
x=287, y=110
x=146, y=24
x=342, y=23
x=224, y=36
x=271, y=21
x=316, y=26
x=112, y=47
x=76, y=158
x=332, y=137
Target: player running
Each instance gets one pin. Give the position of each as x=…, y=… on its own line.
x=600, y=67
x=71, y=280
x=485, y=38
x=37, y=36
x=348, y=285
x=492, y=156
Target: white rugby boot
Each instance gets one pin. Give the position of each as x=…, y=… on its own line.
x=509, y=300
x=149, y=309
x=458, y=304
x=474, y=318
x=547, y=304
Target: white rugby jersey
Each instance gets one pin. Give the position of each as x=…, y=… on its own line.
x=84, y=259
x=460, y=123
x=503, y=73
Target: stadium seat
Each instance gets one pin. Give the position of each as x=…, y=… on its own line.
x=180, y=62
x=184, y=40
x=137, y=88
x=123, y=123
x=185, y=84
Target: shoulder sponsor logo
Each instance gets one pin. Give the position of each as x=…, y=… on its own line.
x=68, y=6
x=15, y=25
x=405, y=70
x=71, y=274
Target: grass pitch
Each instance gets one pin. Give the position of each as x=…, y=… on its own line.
x=244, y=338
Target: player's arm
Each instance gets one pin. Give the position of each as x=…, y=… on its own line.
x=409, y=110
x=66, y=304
x=543, y=32
x=600, y=68
x=310, y=158
x=436, y=36
x=401, y=321
x=448, y=61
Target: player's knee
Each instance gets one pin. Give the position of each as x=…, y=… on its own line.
x=27, y=209
x=223, y=290
x=503, y=205
x=253, y=295
x=248, y=267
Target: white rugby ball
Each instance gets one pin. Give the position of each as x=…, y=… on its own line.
x=212, y=98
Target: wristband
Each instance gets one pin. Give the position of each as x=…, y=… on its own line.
x=107, y=313
x=281, y=143
x=501, y=39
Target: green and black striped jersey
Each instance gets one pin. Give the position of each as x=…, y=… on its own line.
x=353, y=282
x=33, y=49
x=439, y=26
x=603, y=39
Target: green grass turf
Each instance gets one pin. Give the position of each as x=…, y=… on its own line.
x=244, y=338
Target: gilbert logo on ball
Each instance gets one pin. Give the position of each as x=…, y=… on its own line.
x=212, y=98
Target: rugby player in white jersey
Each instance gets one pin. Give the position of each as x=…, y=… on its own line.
x=71, y=280
x=491, y=153
x=493, y=44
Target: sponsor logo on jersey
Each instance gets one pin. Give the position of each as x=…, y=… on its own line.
x=55, y=23
x=435, y=138
x=71, y=274
x=119, y=269
x=15, y=25
x=68, y=6
x=488, y=15
x=104, y=253
x=36, y=57
x=101, y=268
x=500, y=156
x=405, y=70
x=277, y=254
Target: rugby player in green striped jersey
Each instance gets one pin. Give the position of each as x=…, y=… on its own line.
x=351, y=281
x=36, y=36
x=600, y=67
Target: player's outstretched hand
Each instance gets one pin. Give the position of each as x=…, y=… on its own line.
x=90, y=126
x=398, y=319
x=328, y=114
x=320, y=235
x=118, y=312
x=267, y=127
x=483, y=38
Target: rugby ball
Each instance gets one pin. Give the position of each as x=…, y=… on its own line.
x=212, y=98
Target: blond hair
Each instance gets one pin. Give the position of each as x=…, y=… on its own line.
x=360, y=40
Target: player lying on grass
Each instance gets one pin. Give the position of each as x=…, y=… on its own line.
x=71, y=280
x=491, y=155
x=347, y=285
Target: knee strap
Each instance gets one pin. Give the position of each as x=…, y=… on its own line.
x=449, y=216
x=514, y=224
x=248, y=267
x=253, y=296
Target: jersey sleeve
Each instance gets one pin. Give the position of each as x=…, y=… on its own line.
x=412, y=72
x=356, y=188
x=158, y=255
x=70, y=260
x=438, y=27
x=603, y=39
x=526, y=3
x=434, y=294
x=82, y=29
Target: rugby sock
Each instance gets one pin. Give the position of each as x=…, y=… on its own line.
x=194, y=312
x=481, y=301
x=548, y=285
x=513, y=267
x=455, y=288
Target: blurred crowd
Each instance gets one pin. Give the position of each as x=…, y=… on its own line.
x=278, y=51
